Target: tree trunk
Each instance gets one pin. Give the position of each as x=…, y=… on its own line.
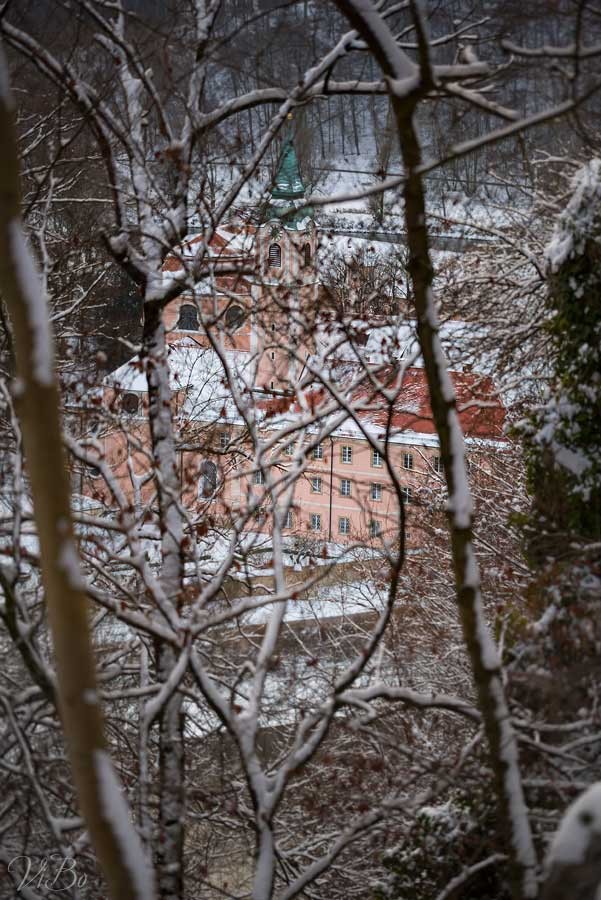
x=117, y=844
x=171, y=749
x=484, y=657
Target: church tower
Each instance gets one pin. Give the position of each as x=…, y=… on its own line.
x=286, y=246
x=287, y=236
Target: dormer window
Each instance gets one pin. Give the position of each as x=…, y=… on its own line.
x=188, y=318
x=307, y=255
x=275, y=256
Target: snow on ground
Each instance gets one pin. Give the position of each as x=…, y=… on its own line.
x=329, y=601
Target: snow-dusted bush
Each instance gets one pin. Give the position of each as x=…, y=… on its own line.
x=563, y=436
x=456, y=840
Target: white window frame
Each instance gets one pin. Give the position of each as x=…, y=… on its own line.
x=408, y=461
x=344, y=525
x=344, y=484
x=376, y=459
x=437, y=465
x=289, y=519
x=315, y=521
x=375, y=528
x=318, y=452
x=407, y=494
x=376, y=491
x=346, y=454
x=258, y=477
x=316, y=484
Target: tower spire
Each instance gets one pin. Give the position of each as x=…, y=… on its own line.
x=288, y=182
x=288, y=190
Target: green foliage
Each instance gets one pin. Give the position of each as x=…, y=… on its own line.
x=563, y=437
x=442, y=843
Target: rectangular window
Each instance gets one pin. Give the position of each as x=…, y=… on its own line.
x=289, y=520
x=375, y=529
x=407, y=495
x=346, y=454
x=318, y=452
x=407, y=460
x=376, y=459
x=316, y=485
x=344, y=525
x=258, y=477
x=315, y=522
x=224, y=440
x=437, y=464
x=288, y=450
x=275, y=255
x=376, y=491
x=345, y=487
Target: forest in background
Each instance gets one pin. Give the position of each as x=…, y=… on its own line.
x=377, y=779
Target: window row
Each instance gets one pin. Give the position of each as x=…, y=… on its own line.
x=345, y=487
x=208, y=480
x=377, y=461
x=344, y=525
x=346, y=456
x=208, y=484
x=316, y=523
x=188, y=318
x=274, y=255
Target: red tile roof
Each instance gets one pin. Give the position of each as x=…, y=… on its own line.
x=481, y=411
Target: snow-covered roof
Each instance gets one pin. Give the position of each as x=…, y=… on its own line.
x=227, y=244
x=481, y=412
x=380, y=341
x=199, y=374
x=208, y=384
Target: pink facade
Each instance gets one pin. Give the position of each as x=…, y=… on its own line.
x=250, y=312
x=345, y=492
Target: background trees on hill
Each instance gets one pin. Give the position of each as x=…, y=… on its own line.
x=262, y=756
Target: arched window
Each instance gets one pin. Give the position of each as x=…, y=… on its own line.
x=207, y=484
x=234, y=318
x=275, y=256
x=307, y=255
x=130, y=403
x=188, y=318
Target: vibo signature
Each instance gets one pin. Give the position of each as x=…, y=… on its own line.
x=52, y=873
